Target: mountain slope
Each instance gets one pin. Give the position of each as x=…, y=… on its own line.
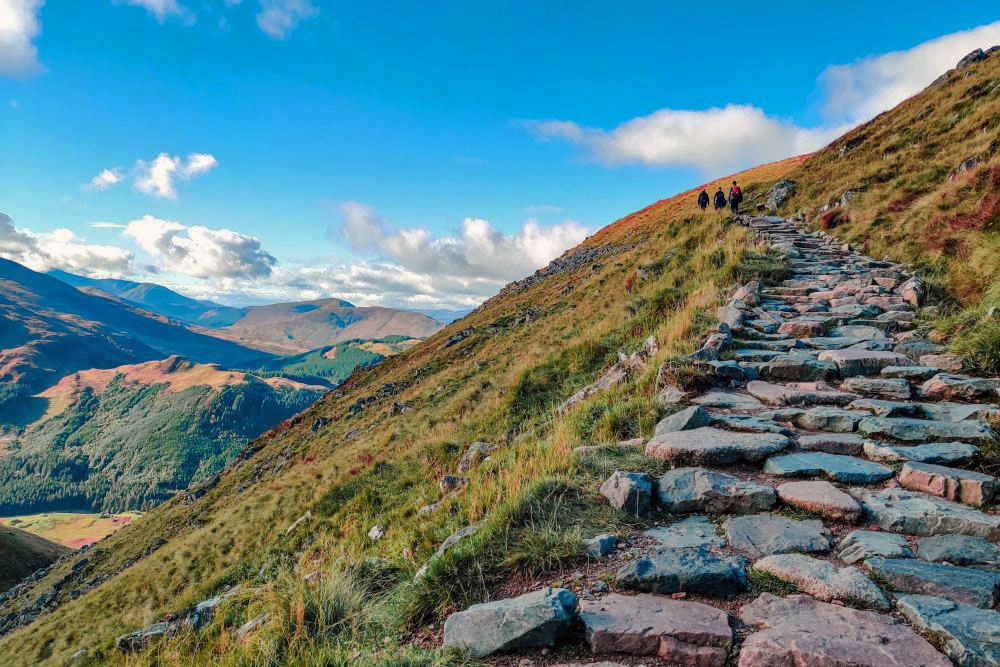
x=293, y=328
x=22, y=553
x=49, y=329
x=158, y=299
x=129, y=437
x=333, y=364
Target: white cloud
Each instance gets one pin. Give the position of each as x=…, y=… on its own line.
x=61, y=249
x=199, y=251
x=19, y=25
x=162, y=9
x=736, y=136
x=106, y=225
x=157, y=178
x=862, y=90
x=277, y=18
x=106, y=179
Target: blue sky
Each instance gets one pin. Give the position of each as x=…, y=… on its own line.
x=411, y=154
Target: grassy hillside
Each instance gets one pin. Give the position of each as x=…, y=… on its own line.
x=374, y=451
x=22, y=553
x=130, y=437
x=922, y=185
x=332, y=364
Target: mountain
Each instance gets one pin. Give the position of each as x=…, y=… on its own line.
x=49, y=329
x=332, y=364
x=474, y=433
x=127, y=438
x=22, y=553
x=446, y=316
x=293, y=328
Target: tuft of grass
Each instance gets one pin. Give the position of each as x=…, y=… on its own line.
x=765, y=582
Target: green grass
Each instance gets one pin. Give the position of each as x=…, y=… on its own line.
x=765, y=582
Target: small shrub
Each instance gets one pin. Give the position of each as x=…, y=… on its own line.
x=834, y=218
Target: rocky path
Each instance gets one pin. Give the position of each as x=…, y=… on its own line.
x=843, y=457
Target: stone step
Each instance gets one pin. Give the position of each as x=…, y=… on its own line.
x=766, y=534
x=971, y=488
x=823, y=580
x=934, y=452
x=927, y=430
x=698, y=571
x=915, y=513
x=969, y=633
x=836, y=467
x=715, y=446
x=965, y=585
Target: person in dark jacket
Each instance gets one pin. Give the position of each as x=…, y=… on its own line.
x=703, y=199
x=735, y=197
x=720, y=199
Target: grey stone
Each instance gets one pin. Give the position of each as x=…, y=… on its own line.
x=957, y=412
x=967, y=486
x=777, y=394
x=881, y=408
x=802, y=631
x=832, y=443
x=681, y=632
x=686, y=419
x=629, y=491
x=912, y=373
x=864, y=544
x=960, y=550
x=715, y=446
x=945, y=386
x=694, y=531
x=971, y=636
x=702, y=490
x=825, y=418
x=927, y=430
x=863, y=362
x=534, y=619
x=832, y=343
x=600, y=545
x=686, y=571
x=823, y=580
x=934, y=452
x=915, y=347
x=946, y=362
x=961, y=584
x=894, y=388
x=749, y=423
x=834, y=466
x=821, y=497
x=797, y=367
x=727, y=400
x=766, y=534
x=915, y=513
x=475, y=454
x=857, y=331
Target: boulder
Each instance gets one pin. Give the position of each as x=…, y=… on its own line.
x=912, y=373
x=822, y=498
x=727, y=400
x=968, y=634
x=961, y=584
x=629, y=491
x=534, y=619
x=714, y=446
x=683, y=420
x=958, y=412
x=601, y=545
x=934, y=452
x=864, y=544
x=686, y=571
x=779, y=193
x=766, y=534
x=881, y=408
x=694, y=531
x=972, y=488
x=823, y=580
x=824, y=418
x=701, y=490
x=914, y=513
x=836, y=467
x=800, y=630
x=960, y=550
x=681, y=632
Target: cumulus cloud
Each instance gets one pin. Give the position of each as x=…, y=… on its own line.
x=19, y=25
x=738, y=135
x=106, y=225
x=158, y=177
x=199, y=251
x=105, y=179
x=61, y=249
x=277, y=18
x=162, y=9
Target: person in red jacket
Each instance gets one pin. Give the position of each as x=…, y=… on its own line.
x=735, y=197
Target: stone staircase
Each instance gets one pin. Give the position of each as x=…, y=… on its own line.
x=842, y=457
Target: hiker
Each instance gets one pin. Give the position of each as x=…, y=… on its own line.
x=720, y=199
x=735, y=197
x=703, y=199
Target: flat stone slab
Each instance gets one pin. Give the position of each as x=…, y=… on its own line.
x=966, y=486
x=934, y=452
x=686, y=570
x=749, y=423
x=861, y=545
x=891, y=388
x=715, y=446
x=679, y=631
x=913, y=373
x=883, y=408
x=961, y=584
x=533, y=619
x=727, y=400
x=946, y=387
x=702, y=490
x=800, y=630
x=863, y=362
x=821, y=497
x=629, y=491
x=825, y=418
x=694, y=531
x=961, y=550
x=833, y=443
x=831, y=343
x=971, y=636
x=683, y=420
x=767, y=534
x=915, y=513
x=834, y=466
x=927, y=430
x=779, y=394
x=823, y=580
x=857, y=331
x=947, y=411
x=798, y=366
